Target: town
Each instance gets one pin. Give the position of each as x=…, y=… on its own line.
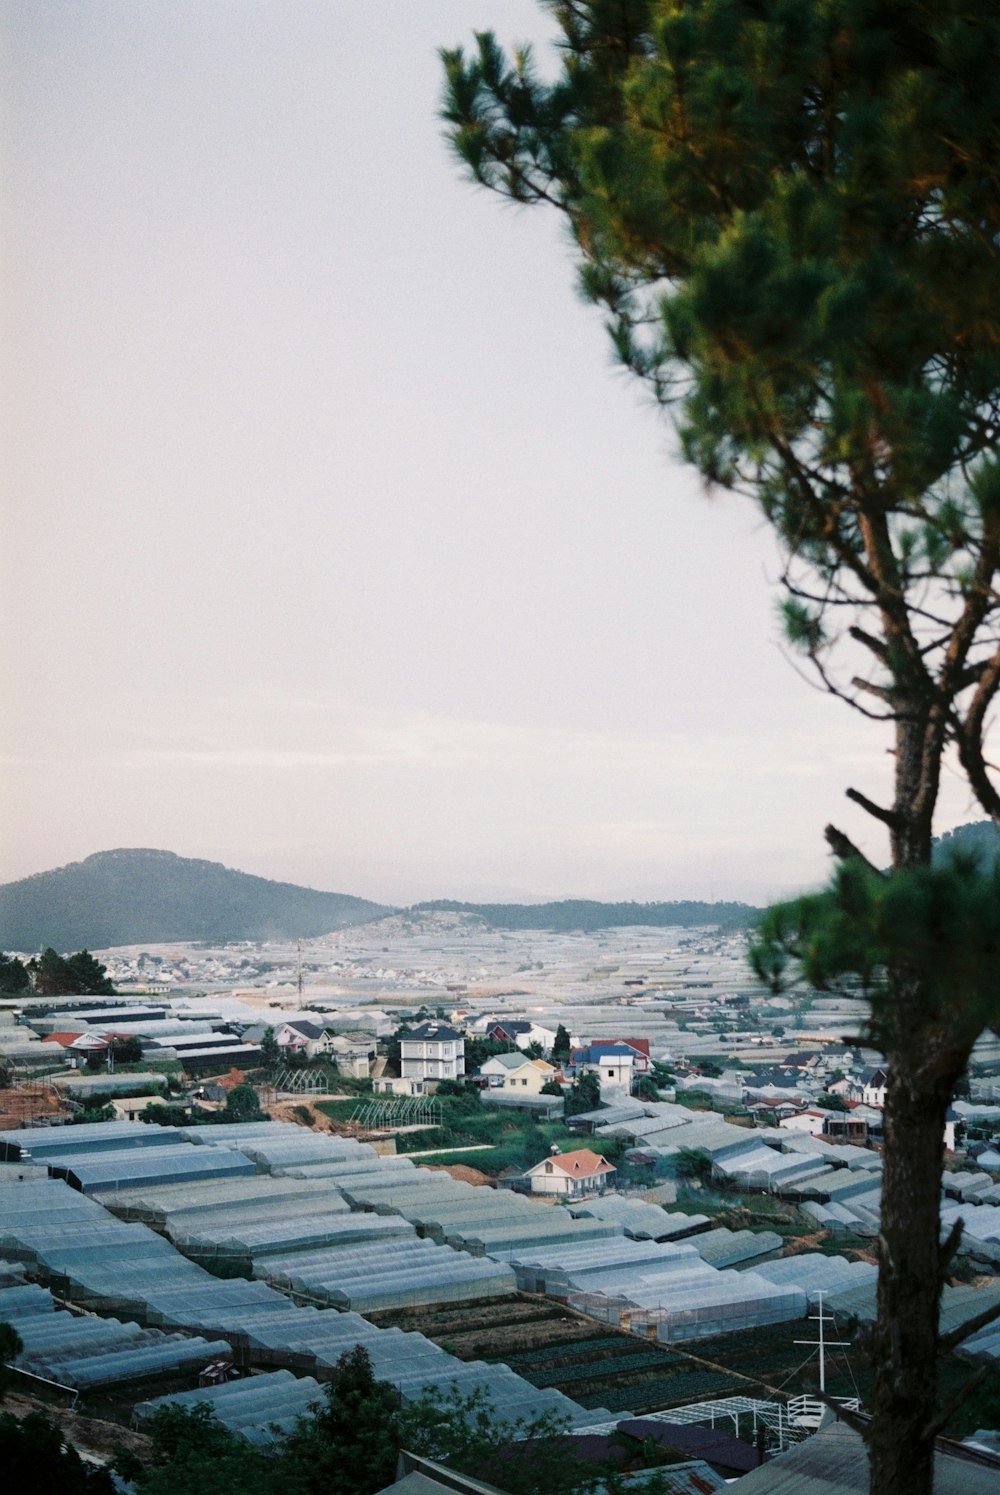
x=606, y=1176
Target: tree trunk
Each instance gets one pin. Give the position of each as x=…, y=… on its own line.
x=923, y=1069
x=909, y=1282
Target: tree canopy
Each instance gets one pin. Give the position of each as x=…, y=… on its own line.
x=72, y=975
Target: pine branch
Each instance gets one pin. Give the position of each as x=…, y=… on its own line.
x=887, y=817
x=845, y=850
x=964, y=1331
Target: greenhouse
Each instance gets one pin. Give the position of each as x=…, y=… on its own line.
x=112, y=1170
x=253, y=1240
x=387, y=1276
x=815, y=1273
x=127, y=1270
x=255, y=1408
x=91, y=1353
x=643, y=1222
x=38, y=1142
x=681, y=1296
x=733, y=1248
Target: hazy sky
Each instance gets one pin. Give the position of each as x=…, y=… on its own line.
x=335, y=548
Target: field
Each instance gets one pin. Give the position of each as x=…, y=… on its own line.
x=598, y=1367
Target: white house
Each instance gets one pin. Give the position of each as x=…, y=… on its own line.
x=432, y=1052
x=302, y=1037
x=873, y=1084
x=811, y=1122
x=614, y=1063
x=571, y=1174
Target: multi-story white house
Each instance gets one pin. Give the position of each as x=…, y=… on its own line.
x=432, y=1052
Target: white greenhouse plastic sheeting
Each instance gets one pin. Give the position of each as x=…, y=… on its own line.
x=387, y=1276
x=128, y=1270
x=815, y=1273
x=729, y=1248
x=256, y=1408
x=683, y=1297
x=643, y=1222
x=89, y=1353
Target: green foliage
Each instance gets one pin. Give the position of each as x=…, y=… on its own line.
x=561, y=1046
x=13, y=974
x=478, y=1050
x=351, y=1445
x=241, y=1105
x=10, y=1347
x=692, y=1163
x=452, y=1089
x=270, y=1054
x=158, y=1114
x=644, y=1088
x=132, y=896
x=74, y=975
x=922, y=944
x=36, y=1460
x=551, y=1087
x=193, y=1454
x=127, y=1050
x=92, y=1112
x=584, y=1095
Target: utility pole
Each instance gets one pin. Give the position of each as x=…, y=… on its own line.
x=823, y=1345
x=299, y=967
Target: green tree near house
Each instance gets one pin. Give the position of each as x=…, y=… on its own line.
x=584, y=1095
x=561, y=1046
x=790, y=216
x=270, y=1053
x=241, y=1105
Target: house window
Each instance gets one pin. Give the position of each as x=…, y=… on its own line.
x=611, y=1074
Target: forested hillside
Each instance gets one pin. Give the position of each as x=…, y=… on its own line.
x=140, y=896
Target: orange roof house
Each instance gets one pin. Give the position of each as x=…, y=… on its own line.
x=572, y=1174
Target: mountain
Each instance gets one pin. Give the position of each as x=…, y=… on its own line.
x=585, y=913
x=133, y=897
x=979, y=836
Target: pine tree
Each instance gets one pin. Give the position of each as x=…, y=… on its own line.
x=789, y=211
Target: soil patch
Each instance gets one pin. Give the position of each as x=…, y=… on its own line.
x=90, y=1436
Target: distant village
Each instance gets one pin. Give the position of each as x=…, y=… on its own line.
x=601, y=1153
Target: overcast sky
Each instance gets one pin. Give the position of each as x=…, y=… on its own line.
x=336, y=549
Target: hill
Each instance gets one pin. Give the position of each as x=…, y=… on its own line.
x=139, y=896
x=979, y=836
x=584, y=913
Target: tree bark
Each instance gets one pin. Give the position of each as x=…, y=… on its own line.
x=909, y=1281
x=925, y=1061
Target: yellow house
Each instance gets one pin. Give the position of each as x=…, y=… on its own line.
x=517, y=1073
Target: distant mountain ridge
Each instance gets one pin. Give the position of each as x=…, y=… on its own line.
x=135, y=896
x=980, y=836
x=587, y=914
x=141, y=896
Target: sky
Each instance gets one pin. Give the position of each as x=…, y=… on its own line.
x=335, y=547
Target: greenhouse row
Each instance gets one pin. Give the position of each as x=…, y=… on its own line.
x=88, y=1353
x=257, y=1409
x=382, y=1276
x=643, y=1222
x=126, y=1270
